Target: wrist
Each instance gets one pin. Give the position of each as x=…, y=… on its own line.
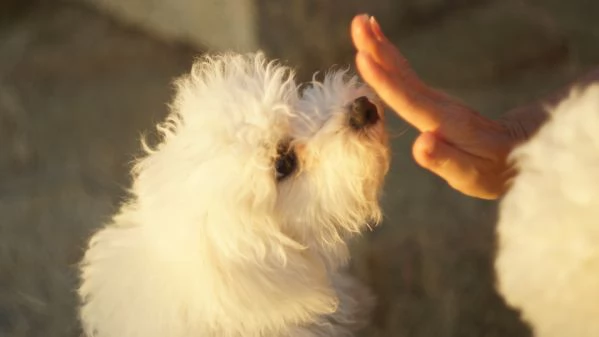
x=522, y=123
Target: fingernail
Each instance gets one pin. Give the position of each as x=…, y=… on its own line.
x=364, y=17
x=376, y=28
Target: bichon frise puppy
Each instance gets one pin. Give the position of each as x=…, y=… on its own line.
x=238, y=222
x=548, y=254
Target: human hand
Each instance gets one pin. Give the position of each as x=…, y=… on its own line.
x=457, y=143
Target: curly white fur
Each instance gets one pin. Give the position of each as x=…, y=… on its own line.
x=210, y=244
x=548, y=258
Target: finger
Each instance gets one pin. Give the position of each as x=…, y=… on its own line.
x=387, y=71
x=459, y=169
x=360, y=31
x=409, y=100
x=369, y=38
x=376, y=30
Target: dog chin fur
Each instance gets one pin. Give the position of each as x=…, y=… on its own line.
x=548, y=254
x=209, y=243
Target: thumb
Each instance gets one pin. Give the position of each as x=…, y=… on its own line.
x=461, y=170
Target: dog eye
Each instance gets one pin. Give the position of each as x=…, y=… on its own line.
x=286, y=162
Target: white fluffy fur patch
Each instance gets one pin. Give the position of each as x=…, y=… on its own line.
x=227, y=235
x=548, y=258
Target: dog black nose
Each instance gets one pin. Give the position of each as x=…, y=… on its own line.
x=362, y=113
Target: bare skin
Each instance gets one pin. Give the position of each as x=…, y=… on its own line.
x=466, y=149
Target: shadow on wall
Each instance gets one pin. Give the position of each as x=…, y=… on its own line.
x=11, y=10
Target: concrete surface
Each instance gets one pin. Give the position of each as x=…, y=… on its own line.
x=77, y=88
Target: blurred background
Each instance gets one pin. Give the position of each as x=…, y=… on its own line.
x=81, y=80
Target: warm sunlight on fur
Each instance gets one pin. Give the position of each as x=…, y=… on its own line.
x=238, y=221
x=548, y=258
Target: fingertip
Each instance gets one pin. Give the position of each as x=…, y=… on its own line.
x=359, y=23
x=377, y=30
x=427, y=142
x=361, y=18
x=424, y=148
x=361, y=31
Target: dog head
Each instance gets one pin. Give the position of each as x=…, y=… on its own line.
x=245, y=155
x=338, y=145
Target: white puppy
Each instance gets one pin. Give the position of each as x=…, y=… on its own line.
x=548, y=254
x=237, y=224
